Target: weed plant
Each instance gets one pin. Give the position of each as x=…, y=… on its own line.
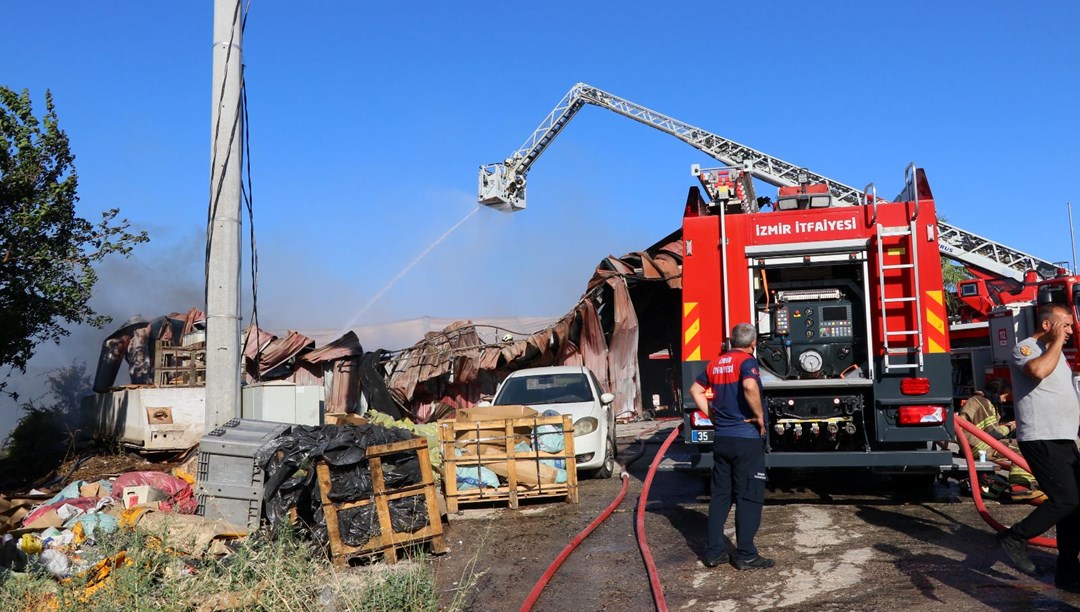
x=278, y=573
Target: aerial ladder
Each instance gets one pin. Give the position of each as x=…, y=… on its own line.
x=502, y=184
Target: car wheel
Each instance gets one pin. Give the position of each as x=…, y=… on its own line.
x=608, y=468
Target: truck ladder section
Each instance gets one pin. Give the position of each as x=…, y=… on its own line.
x=978, y=252
x=892, y=337
x=906, y=285
x=502, y=185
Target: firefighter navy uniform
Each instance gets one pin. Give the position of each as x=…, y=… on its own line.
x=738, y=474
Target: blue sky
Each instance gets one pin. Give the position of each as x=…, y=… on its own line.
x=369, y=122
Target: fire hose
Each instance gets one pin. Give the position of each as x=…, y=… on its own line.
x=538, y=588
x=646, y=555
x=976, y=491
x=654, y=579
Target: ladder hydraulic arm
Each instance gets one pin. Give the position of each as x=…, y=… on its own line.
x=502, y=184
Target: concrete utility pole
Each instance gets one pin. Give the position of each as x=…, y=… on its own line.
x=223, y=265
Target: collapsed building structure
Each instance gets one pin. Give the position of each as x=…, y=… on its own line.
x=628, y=313
x=625, y=328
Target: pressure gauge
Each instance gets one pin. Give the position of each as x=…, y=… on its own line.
x=810, y=361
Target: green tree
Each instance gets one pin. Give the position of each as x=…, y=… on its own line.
x=951, y=274
x=47, y=252
x=45, y=432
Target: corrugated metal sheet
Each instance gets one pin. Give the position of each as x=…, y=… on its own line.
x=593, y=346
x=623, y=354
x=277, y=351
x=456, y=368
x=345, y=346
x=110, y=359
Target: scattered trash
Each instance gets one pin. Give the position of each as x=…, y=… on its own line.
x=14, y=509
x=141, y=495
x=549, y=438
x=11, y=557
x=180, y=494
x=99, y=574
x=57, y=563
x=184, y=475
x=474, y=476
x=428, y=431
x=30, y=544
x=90, y=525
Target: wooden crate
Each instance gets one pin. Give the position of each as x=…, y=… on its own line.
x=388, y=541
x=183, y=366
x=505, y=433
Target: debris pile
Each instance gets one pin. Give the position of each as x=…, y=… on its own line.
x=59, y=532
x=76, y=534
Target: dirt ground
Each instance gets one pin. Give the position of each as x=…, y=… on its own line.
x=841, y=541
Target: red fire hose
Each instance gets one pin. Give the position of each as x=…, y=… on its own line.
x=654, y=579
x=976, y=491
x=534, y=594
x=646, y=555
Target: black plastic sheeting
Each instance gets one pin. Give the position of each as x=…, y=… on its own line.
x=360, y=524
x=288, y=462
x=373, y=384
x=353, y=482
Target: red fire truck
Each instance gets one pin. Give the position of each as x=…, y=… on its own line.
x=844, y=288
x=848, y=303
x=1013, y=321
x=997, y=309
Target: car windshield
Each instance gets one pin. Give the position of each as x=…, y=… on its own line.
x=545, y=389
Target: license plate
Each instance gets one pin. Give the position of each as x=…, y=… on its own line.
x=701, y=435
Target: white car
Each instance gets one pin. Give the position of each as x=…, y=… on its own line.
x=574, y=391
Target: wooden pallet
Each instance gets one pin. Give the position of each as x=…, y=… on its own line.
x=388, y=541
x=521, y=471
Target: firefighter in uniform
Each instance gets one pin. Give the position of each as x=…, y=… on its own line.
x=738, y=474
x=982, y=411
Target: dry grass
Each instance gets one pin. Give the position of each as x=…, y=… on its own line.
x=282, y=573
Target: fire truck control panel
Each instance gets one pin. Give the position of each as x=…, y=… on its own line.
x=812, y=335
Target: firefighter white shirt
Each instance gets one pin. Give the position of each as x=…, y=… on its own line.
x=1046, y=409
